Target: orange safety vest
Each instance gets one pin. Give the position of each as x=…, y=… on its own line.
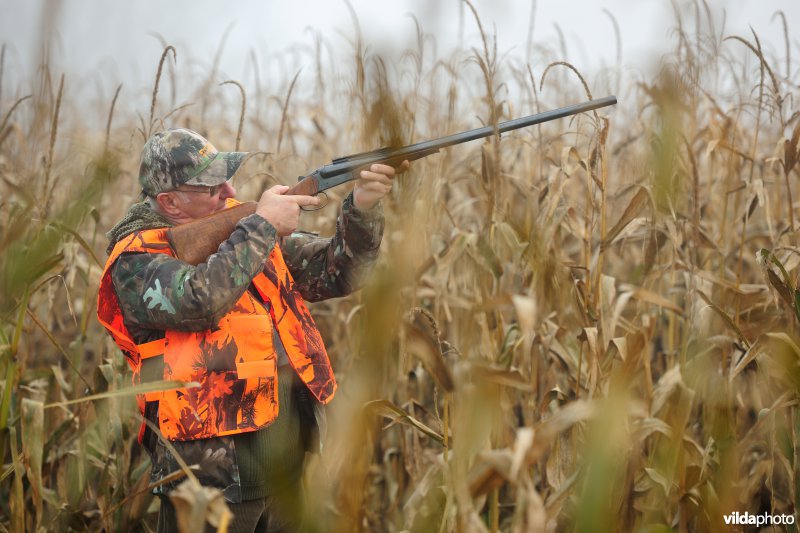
x=234, y=362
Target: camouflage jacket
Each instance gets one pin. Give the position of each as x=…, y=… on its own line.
x=158, y=292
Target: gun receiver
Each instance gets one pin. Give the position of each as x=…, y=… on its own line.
x=193, y=242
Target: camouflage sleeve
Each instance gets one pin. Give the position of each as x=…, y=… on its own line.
x=335, y=266
x=156, y=291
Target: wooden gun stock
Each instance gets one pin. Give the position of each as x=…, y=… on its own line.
x=195, y=241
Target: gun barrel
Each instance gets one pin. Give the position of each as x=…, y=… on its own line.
x=352, y=164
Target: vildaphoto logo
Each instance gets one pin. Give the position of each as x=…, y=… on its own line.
x=764, y=519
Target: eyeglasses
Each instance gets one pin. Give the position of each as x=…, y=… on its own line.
x=211, y=191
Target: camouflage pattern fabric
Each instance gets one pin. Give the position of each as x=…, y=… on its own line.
x=157, y=292
x=178, y=157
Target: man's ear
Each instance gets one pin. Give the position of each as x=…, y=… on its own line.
x=168, y=204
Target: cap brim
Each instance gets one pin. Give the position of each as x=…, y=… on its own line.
x=220, y=170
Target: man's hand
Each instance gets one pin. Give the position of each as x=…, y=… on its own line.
x=374, y=184
x=283, y=210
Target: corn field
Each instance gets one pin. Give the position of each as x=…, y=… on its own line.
x=586, y=325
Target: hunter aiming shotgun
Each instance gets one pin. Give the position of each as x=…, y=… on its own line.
x=195, y=241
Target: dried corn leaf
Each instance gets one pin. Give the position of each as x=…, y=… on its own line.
x=786, y=339
x=659, y=479
x=445, y=259
x=195, y=504
x=553, y=394
x=422, y=340
x=573, y=225
x=791, y=150
x=492, y=303
x=608, y=293
x=655, y=241
x=534, y=512
x=748, y=357
x=553, y=201
x=558, y=498
x=424, y=490
x=712, y=144
x=647, y=296
x=522, y=444
x=670, y=381
x=387, y=409
x=527, y=314
x=647, y=426
x=755, y=432
x=491, y=470
x=495, y=467
x=560, y=461
x=81, y=241
x=620, y=344
x=488, y=165
x=511, y=237
x=591, y=337
x=486, y=256
x=743, y=288
x=783, y=283
x=59, y=375
x=639, y=228
x=502, y=376
x=563, y=419
x=571, y=160
x=637, y=204
x=728, y=320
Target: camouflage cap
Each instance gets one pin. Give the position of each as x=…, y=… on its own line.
x=178, y=157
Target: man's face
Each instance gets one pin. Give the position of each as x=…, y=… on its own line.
x=196, y=201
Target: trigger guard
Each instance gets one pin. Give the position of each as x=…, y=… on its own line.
x=322, y=204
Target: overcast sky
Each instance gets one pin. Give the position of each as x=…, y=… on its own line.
x=117, y=37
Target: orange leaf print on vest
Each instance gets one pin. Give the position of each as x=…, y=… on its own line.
x=234, y=363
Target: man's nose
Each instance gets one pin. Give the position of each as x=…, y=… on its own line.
x=227, y=190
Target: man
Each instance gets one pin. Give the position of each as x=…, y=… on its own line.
x=236, y=324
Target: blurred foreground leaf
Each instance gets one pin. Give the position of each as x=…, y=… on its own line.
x=155, y=386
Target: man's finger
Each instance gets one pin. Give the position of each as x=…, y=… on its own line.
x=301, y=199
x=375, y=176
x=380, y=168
x=278, y=189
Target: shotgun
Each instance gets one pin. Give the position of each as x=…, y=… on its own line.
x=194, y=241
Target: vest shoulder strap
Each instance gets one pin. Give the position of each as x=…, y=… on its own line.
x=108, y=312
x=150, y=240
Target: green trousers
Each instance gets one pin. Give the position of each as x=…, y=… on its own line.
x=281, y=512
x=270, y=463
